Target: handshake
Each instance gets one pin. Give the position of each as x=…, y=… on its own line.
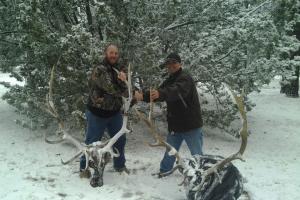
x=139, y=96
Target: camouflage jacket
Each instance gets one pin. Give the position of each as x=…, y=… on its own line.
x=105, y=89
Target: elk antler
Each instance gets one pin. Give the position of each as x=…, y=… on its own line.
x=159, y=141
x=239, y=100
x=99, y=148
x=64, y=135
x=127, y=101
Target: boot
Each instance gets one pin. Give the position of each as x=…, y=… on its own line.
x=123, y=169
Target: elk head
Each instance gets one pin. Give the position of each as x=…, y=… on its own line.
x=207, y=177
x=98, y=153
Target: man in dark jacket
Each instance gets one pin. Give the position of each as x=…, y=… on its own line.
x=183, y=110
x=106, y=89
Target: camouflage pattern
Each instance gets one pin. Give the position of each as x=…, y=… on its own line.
x=105, y=89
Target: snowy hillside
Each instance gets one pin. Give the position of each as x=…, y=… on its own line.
x=30, y=169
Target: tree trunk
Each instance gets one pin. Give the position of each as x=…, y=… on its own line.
x=89, y=16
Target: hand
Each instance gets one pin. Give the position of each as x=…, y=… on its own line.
x=138, y=96
x=154, y=94
x=122, y=76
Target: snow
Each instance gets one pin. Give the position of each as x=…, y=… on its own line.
x=31, y=169
x=4, y=77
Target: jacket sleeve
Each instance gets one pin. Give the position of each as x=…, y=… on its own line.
x=146, y=94
x=102, y=80
x=176, y=91
x=122, y=87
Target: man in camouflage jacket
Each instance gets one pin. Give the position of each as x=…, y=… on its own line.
x=106, y=88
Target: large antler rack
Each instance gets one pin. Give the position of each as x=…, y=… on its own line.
x=96, y=148
x=239, y=100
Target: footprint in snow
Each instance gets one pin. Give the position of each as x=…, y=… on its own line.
x=127, y=195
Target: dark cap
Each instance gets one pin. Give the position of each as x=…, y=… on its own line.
x=172, y=58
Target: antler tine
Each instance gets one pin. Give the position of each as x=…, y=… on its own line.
x=129, y=86
x=79, y=153
x=49, y=99
x=244, y=129
x=150, y=108
x=50, y=94
x=158, y=137
x=171, y=172
x=53, y=142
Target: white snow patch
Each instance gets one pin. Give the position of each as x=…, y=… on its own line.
x=4, y=77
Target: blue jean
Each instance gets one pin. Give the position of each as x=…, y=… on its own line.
x=194, y=141
x=95, y=130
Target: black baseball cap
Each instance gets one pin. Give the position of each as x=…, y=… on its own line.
x=172, y=58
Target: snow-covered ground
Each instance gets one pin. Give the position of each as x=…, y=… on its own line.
x=31, y=169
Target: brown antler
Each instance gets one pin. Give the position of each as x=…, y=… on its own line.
x=64, y=135
x=159, y=141
x=239, y=100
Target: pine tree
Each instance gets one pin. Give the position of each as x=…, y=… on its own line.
x=287, y=19
x=232, y=42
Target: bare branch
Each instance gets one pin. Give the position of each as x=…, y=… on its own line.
x=229, y=52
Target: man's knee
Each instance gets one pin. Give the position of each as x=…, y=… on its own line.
x=197, y=149
x=194, y=141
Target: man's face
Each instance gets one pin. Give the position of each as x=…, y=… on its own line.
x=112, y=54
x=173, y=67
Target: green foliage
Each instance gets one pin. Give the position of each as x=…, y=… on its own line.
x=287, y=20
x=234, y=42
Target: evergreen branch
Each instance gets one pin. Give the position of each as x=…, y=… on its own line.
x=4, y=3
x=8, y=32
x=173, y=26
x=229, y=52
x=9, y=42
x=14, y=31
x=89, y=15
x=258, y=7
